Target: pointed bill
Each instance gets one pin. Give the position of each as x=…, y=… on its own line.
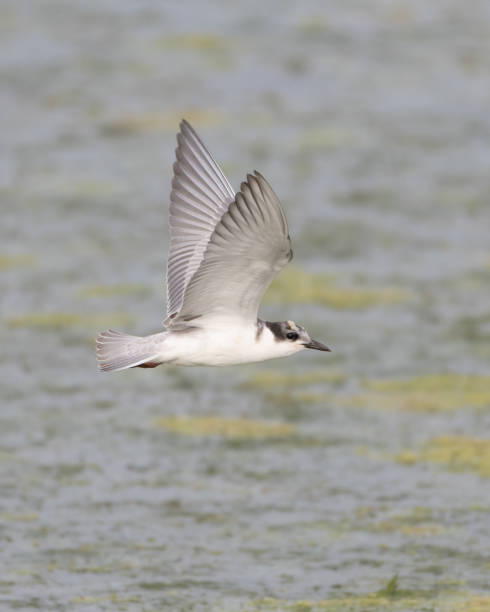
x=319, y=346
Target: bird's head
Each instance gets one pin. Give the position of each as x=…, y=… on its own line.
x=294, y=336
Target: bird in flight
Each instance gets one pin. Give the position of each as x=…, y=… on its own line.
x=225, y=249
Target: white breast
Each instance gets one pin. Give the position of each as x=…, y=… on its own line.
x=226, y=343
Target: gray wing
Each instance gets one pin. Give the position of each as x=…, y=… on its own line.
x=245, y=252
x=199, y=198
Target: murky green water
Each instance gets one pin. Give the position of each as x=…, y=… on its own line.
x=305, y=484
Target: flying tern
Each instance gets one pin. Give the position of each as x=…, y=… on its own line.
x=225, y=249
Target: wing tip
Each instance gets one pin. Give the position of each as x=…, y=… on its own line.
x=186, y=130
x=259, y=179
x=263, y=182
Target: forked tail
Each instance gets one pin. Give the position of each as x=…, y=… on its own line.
x=118, y=351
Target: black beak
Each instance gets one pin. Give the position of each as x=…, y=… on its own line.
x=313, y=344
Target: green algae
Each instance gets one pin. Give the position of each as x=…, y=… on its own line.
x=19, y=518
x=56, y=389
x=474, y=331
x=203, y=47
x=392, y=587
x=16, y=261
x=324, y=138
x=313, y=26
x=457, y=453
x=113, y=598
x=416, y=523
x=297, y=400
x=342, y=239
x=73, y=188
x=89, y=569
x=194, y=42
x=66, y=320
x=407, y=528
x=412, y=402
x=296, y=64
x=432, y=393
x=367, y=197
x=297, y=286
x=235, y=429
x=368, y=603
x=158, y=121
x=473, y=604
x=291, y=403
x=391, y=598
x=268, y=379
x=96, y=291
x=454, y=383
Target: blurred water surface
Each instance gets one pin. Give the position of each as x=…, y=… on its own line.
x=303, y=484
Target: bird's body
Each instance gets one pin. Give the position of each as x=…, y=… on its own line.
x=225, y=250
x=224, y=343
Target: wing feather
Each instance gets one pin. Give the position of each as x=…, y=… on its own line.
x=199, y=198
x=246, y=250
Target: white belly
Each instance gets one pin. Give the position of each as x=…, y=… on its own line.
x=225, y=345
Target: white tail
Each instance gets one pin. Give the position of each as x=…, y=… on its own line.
x=117, y=351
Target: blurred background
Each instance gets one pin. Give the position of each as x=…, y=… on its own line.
x=352, y=481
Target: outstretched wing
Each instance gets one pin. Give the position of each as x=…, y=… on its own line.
x=245, y=252
x=200, y=196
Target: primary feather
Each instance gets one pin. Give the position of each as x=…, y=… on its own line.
x=248, y=247
x=200, y=196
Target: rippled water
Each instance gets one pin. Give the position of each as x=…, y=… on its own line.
x=352, y=481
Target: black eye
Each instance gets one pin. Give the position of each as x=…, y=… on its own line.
x=292, y=336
